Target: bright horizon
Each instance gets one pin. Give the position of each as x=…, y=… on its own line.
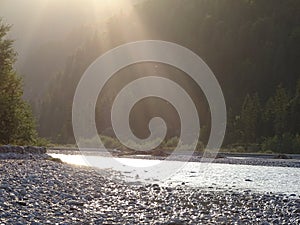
x=47, y=18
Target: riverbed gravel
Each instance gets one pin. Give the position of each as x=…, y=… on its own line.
x=39, y=191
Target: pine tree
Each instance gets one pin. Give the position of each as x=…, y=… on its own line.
x=250, y=117
x=16, y=121
x=295, y=111
x=280, y=109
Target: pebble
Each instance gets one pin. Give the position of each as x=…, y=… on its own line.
x=46, y=192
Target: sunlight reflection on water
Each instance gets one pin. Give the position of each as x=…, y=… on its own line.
x=213, y=176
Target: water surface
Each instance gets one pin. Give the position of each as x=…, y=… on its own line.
x=213, y=176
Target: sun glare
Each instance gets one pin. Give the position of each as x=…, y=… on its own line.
x=112, y=6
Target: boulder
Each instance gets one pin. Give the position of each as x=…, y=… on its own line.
x=35, y=150
x=22, y=150
x=282, y=156
x=5, y=148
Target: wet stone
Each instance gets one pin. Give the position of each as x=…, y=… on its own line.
x=47, y=192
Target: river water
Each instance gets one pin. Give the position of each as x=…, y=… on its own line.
x=212, y=176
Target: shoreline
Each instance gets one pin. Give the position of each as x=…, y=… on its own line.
x=225, y=158
x=41, y=191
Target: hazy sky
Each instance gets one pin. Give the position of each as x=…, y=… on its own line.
x=38, y=21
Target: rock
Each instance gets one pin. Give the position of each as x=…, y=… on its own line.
x=5, y=186
x=264, y=223
x=174, y=222
x=57, y=160
x=22, y=150
x=75, y=203
x=213, y=155
x=5, y=148
x=22, y=203
x=35, y=150
x=296, y=211
x=282, y=156
x=44, y=192
x=158, y=152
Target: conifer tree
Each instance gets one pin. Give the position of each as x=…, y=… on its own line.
x=16, y=121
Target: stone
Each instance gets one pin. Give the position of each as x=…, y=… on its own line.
x=75, y=203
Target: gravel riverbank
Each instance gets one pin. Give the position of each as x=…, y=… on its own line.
x=38, y=191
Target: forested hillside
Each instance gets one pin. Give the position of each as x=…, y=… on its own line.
x=44, y=61
x=252, y=46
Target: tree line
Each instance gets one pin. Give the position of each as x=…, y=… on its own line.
x=273, y=124
x=252, y=46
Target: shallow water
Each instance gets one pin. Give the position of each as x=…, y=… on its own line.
x=213, y=176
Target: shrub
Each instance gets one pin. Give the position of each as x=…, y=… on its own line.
x=172, y=142
x=286, y=143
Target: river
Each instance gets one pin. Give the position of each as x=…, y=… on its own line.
x=212, y=176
